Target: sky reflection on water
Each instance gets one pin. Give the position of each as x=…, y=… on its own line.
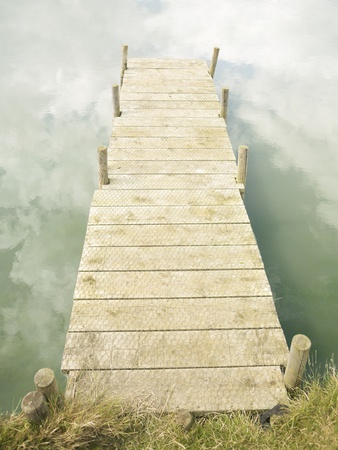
x=59, y=59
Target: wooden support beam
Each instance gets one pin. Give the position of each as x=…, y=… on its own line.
x=103, y=166
x=299, y=352
x=224, y=104
x=45, y=383
x=214, y=62
x=124, y=62
x=34, y=406
x=242, y=164
x=116, y=100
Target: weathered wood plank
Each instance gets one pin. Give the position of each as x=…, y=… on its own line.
x=186, y=97
x=173, y=88
x=172, y=181
x=170, y=234
x=174, y=314
x=171, y=197
x=168, y=74
x=173, y=104
x=172, y=284
x=170, y=258
x=171, y=154
x=167, y=214
x=172, y=349
x=185, y=132
x=172, y=83
x=171, y=167
x=170, y=142
x=165, y=63
x=162, y=112
x=169, y=122
x=198, y=390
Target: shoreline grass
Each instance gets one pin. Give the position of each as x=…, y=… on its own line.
x=312, y=423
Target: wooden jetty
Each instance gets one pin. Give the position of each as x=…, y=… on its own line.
x=172, y=305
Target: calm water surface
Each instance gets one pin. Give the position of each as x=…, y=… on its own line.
x=59, y=59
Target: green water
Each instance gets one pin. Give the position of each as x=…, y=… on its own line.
x=59, y=59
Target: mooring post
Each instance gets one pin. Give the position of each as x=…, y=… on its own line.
x=102, y=154
x=45, y=382
x=298, y=356
x=116, y=100
x=224, y=104
x=34, y=406
x=214, y=62
x=124, y=63
x=242, y=164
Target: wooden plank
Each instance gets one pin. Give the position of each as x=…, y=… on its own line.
x=161, y=112
x=174, y=234
x=198, y=390
x=171, y=83
x=185, y=132
x=171, y=197
x=172, y=349
x=171, y=154
x=187, y=97
x=159, y=104
x=172, y=181
x=168, y=74
x=172, y=284
x=170, y=258
x=215, y=122
x=165, y=88
x=165, y=63
x=170, y=142
x=167, y=214
x=171, y=167
x=174, y=314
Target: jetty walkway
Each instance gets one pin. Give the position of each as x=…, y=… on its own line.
x=172, y=304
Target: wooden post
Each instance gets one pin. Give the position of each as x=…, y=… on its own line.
x=124, y=63
x=214, y=62
x=299, y=352
x=103, y=166
x=242, y=164
x=224, y=104
x=34, y=406
x=45, y=383
x=116, y=100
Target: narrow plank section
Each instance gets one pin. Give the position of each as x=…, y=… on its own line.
x=171, y=167
x=171, y=284
x=201, y=390
x=172, y=349
x=169, y=314
x=171, y=154
x=170, y=234
x=171, y=258
x=166, y=197
x=167, y=214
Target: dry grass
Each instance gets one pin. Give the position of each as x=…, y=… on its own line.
x=312, y=423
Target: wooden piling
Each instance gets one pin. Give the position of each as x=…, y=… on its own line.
x=124, y=62
x=34, y=406
x=103, y=166
x=45, y=383
x=242, y=164
x=214, y=62
x=116, y=100
x=299, y=352
x=224, y=104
